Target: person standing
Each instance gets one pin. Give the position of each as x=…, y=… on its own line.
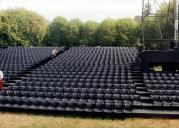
x=54, y=53
x=1, y=80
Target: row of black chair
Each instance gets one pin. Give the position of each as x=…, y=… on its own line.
x=98, y=79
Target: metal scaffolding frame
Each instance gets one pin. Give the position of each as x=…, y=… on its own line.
x=175, y=24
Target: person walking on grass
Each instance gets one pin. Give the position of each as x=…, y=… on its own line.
x=1, y=80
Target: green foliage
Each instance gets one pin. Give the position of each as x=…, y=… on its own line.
x=25, y=28
x=88, y=33
x=106, y=33
x=167, y=22
x=151, y=29
x=56, y=35
x=124, y=32
x=72, y=33
x=127, y=32
x=21, y=27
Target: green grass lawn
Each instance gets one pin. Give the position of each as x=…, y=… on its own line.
x=22, y=120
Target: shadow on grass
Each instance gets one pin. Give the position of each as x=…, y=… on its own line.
x=87, y=115
x=65, y=114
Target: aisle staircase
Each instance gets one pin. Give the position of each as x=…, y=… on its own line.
x=137, y=75
x=26, y=72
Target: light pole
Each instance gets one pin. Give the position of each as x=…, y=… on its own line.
x=176, y=24
x=142, y=20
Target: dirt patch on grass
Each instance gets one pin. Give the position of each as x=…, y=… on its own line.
x=16, y=120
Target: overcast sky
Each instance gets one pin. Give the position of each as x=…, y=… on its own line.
x=96, y=10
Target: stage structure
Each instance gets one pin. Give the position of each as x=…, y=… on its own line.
x=161, y=53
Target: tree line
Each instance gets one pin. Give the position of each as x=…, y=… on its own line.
x=20, y=27
x=122, y=32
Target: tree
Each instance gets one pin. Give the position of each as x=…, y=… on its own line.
x=127, y=33
x=106, y=33
x=167, y=21
x=88, y=33
x=151, y=31
x=57, y=32
x=21, y=27
x=72, y=33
